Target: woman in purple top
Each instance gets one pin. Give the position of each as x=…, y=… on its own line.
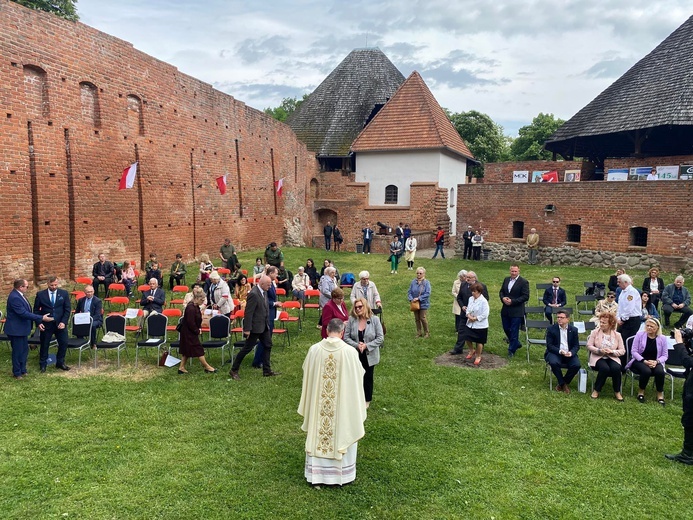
x=648, y=355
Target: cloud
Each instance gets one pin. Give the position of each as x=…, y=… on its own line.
x=252, y=51
x=612, y=68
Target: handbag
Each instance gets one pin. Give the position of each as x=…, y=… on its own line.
x=179, y=326
x=162, y=361
x=416, y=305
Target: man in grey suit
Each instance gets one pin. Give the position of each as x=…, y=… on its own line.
x=256, y=326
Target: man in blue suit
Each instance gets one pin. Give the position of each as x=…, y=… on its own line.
x=55, y=302
x=94, y=307
x=554, y=296
x=562, y=345
x=18, y=326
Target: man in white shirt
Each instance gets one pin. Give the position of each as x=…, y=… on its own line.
x=562, y=345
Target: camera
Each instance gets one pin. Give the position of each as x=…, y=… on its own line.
x=686, y=338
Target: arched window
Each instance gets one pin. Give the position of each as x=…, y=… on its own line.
x=518, y=229
x=451, y=202
x=638, y=236
x=314, y=189
x=135, y=115
x=391, y=194
x=573, y=233
x=36, y=91
x=89, y=97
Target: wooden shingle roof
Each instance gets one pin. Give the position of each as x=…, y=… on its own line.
x=411, y=120
x=330, y=118
x=655, y=94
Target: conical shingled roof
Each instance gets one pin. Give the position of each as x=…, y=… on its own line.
x=656, y=91
x=333, y=115
x=411, y=120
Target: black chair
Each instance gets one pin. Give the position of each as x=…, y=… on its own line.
x=537, y=310
x=539, y=328
x=113, y=323
x=585, y=304
x=156, y=335
x=674, y=368
x=219, y=335
x=541, y=287
x=81, y=338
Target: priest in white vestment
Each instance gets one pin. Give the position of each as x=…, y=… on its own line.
x=333, y=407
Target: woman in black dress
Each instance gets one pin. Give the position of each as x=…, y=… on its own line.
x=190, y=346
x=312, y=273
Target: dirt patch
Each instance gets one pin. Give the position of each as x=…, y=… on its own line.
x=108, y=368
x=488, y=361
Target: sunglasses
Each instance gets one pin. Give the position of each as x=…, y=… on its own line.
x=357, y=307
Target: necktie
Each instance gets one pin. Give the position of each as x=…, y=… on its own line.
x=53, y=298
x=555, y=296
x=87, y=305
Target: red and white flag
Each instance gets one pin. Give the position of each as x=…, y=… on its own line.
x=551, y=176
x=221, y=184
x=127, y=180
x=279, y=185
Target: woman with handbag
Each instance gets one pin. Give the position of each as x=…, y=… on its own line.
x=419, y=301
x=364, y=332
x=190, y=346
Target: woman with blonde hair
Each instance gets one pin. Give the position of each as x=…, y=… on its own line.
x=206, y=267
x=648, y=355
x=606, y=347
x=190, y=346
x=364, y=332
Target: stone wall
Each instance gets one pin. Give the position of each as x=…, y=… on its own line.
x=567, y=255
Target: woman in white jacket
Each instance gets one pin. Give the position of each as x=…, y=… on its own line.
x=477, y=322
x=220, y=295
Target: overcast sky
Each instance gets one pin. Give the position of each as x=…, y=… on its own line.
x=509, y=59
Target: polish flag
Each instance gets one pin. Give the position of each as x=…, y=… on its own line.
x=551, y=176
x=127, y=180
x=221, y=184
x=279, y=185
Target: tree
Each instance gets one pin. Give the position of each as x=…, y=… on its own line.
x=483, y=136
x=63, y=8
x=287, y=107
x=529, y=145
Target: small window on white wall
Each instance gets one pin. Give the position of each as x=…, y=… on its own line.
x=391, y=194
x=452, y=197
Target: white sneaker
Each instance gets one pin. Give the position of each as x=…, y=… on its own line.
x=392, y=272
x=395, y=272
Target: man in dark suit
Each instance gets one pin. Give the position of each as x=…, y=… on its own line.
x=55, y=302
x=256, y=326
x=467, y=237
x=514, y=293
x=94, y=307
x=103, y=273
x=554, y=296
x=327, y=231
x=562, y=345
x=18, y=326
x=153, y=299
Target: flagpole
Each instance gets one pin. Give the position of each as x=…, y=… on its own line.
x=140, y=201
x=274, y=180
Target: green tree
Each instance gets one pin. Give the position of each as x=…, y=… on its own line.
x=63, y=8
x=287, y=107
x=483, y=136
x=529, y=145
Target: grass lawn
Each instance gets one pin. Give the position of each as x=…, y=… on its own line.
x=441, y=441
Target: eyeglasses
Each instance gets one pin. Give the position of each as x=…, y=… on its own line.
x=611, y=297
x=358, y=307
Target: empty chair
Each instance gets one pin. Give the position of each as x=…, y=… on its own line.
x=286, y=306
x=81, y=338
x=585, y=304
x=535, y=333
x=156, y=335
x=178, y=295
x=219, y=335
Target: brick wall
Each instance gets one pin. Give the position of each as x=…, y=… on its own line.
x=606, y=212
x=79, y=106
x=495, y=173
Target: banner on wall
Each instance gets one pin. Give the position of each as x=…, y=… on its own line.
x=639, y=173
x=521, y=176
x=537, y=175
x=667, y=173
x=551, y=176
x=686, y=172
x=617, y=174
x=572, y=176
